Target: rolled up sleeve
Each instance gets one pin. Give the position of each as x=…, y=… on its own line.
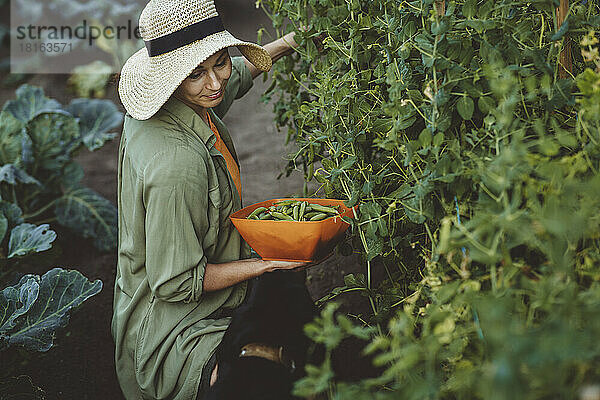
x=176, y=201
x=239, y=84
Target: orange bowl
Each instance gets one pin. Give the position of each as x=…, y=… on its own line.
x=292, y=240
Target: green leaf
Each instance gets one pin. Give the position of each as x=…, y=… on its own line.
x=469, y=8
x=422, y=188
x=465, y=107
x=348, y=162
x=72, y=174
x=12, y=212
x=562, y=31
x=26, y=149
x=409, y=30
x=412, y=211
x=30, y=102
x=383, y=125
x=90, y=79
x=89, y=214
x=400, y=193
x=13, y=175
x=440, y=27
x=28, y=238
x=480, y=25
x=425, y=138
x=485, y=9
x=382, y=225
x=355, y=280
x=96, y=119
x=10, y=138
x=548, y=146
x=438, y=139
x=59, y=291
x=374, y=247
x=486, y=104
x=54, y=136
x=16, y=301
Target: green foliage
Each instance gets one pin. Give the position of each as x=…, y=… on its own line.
x=475, y=169
x=89, y=214
x=30, y=101
x=90, y=80
x=96, y=118
x=38, y=143
x=14, y=175
x=33, y=309
x=28, y=238
x=39, y=183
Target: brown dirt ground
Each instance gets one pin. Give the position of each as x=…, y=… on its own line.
x=80, y=365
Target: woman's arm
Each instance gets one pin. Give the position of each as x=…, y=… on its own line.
x=276, y=49
x=220, y=276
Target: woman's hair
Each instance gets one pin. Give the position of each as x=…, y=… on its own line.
x=114, y=78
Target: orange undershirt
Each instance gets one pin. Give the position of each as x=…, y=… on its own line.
x=232, y=167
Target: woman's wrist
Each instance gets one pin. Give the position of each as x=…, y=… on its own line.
x=290, y=42
x=266, y=266
x=283, y=46
x=276, y=49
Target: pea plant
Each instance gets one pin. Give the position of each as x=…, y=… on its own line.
x=467, y=132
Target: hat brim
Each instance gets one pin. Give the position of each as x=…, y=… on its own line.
x=146, y=83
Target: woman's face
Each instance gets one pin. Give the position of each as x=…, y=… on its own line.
x=205, y=86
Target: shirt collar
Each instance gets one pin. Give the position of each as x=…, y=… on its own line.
x=186, y=115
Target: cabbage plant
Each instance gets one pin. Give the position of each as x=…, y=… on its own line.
x=38, y=141
x=40, y=184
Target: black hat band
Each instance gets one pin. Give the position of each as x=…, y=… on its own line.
x=184, y=36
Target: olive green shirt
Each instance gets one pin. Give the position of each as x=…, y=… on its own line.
x=174, y=200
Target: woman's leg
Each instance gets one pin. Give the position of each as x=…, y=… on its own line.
x=207, y=372
x=213, y=376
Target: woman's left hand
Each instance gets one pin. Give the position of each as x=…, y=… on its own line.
x=289, y=39
x=317, y=40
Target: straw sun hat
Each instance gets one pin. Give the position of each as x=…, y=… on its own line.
x=179, y=35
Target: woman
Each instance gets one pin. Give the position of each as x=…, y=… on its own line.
x=182, y=266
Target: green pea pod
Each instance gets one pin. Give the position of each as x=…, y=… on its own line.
x=302, y=210
x=282, y=216
x=296, y=212
x=319, y=217
x=286, y=202
x=310, y=214
x=256, y=212
x=264, y=216
x=325, y=209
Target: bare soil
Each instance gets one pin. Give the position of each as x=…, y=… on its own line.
x=80, y=365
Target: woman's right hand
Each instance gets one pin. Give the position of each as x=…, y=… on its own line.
x=275, y=265
x=220, y=276
x=294, y=264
